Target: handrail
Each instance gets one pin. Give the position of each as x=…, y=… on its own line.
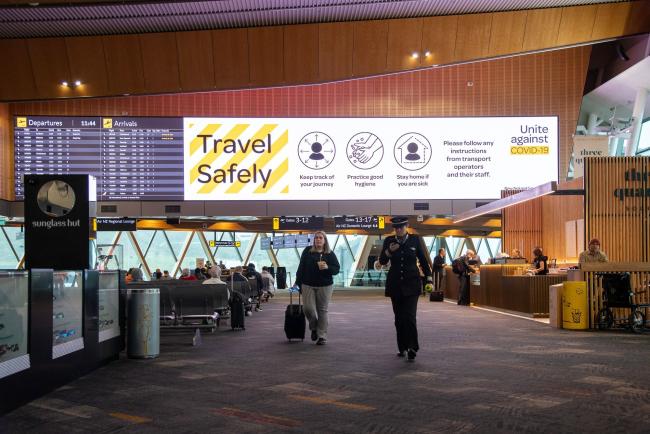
x=615, y=266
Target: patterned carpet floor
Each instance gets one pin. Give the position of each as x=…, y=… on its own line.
x=476, y=372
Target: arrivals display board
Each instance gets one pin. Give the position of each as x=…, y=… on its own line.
x=366, y=158
x=135, y=158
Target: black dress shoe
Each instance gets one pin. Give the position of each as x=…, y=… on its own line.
x=401, y=354
x=314, y=335
x=410, y=355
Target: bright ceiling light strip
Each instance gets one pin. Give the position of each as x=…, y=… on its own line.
x=515, y=199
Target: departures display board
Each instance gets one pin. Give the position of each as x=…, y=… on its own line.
x=132, y=158
x=269, y=159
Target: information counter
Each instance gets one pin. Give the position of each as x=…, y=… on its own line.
x=507, y=287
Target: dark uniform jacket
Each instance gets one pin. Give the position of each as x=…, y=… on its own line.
x=404, y=275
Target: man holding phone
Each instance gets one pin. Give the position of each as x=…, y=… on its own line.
x=403, y=283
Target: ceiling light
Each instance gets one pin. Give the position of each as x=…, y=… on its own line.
x=427, y=53
x=64, y=83
x=77, y=83
x=415, y=55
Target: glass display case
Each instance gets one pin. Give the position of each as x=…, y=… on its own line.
x=14, y=297
x=109, y=305
x=67, y=314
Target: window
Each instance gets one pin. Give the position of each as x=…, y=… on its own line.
x=644, y=139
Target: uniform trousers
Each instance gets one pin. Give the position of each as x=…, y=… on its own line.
x=405, y=309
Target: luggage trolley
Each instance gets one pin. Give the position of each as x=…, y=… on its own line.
x=618, y=293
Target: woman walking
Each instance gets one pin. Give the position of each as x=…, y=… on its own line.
x=318, y=264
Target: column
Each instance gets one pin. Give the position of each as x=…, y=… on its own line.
x=637, y=120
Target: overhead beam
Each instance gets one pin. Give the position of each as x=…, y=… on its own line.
x=497, y=205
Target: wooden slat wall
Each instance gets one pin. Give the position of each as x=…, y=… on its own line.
x=6, y=155
x=556, y=211
x=521, y=226
x=310, y=53
x=540, y=222
x=621, y=225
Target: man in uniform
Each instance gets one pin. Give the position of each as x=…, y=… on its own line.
x=403, y=283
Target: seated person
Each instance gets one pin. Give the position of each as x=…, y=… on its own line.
x=515, y=253
x=269, y=282
x=593, y=253
x=238, y=275
x=215, y=276
x=540, y=263
x=185, y=275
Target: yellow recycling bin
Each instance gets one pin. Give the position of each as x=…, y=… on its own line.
x=575, y=306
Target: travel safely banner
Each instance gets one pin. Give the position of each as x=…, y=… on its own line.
x=366, y=158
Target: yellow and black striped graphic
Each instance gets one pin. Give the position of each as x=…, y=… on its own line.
x=225, y=159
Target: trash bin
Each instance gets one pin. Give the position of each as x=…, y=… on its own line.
x=575, y=307
x=143, y=327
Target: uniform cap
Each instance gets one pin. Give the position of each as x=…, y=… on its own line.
x=397, y=221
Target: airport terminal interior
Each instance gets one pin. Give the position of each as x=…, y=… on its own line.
x=350, y=216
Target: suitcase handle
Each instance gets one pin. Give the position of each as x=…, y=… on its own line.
x=291, y=298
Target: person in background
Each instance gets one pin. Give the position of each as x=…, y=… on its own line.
x=593, y=253
x=438, y=269
x=199, y=274
x=238, y=274
x=157, y=275
x=403, y=282
x=468, y=262
x=267, y=277
x=185, y=275
x=515, y=253
x=215, y=276
x=540, y=262
x=165, y=275
x=136, y=274
x=318, y=264
x=252, y=273
x=129, y=276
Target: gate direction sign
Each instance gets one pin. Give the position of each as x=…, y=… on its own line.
x=300, y=223
x=224, y=243
x=359, y=222
x=116, y=224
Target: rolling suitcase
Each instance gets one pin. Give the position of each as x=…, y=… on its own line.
x=436, y=296
x=294, y=320
x=237, y=312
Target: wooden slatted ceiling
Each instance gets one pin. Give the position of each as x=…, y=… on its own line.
x=272, y=56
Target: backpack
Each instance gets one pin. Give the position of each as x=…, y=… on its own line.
x=458, y=266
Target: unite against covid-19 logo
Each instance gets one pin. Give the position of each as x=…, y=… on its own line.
x=225, y=158
x=531, y=140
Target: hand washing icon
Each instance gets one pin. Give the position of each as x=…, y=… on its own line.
x=365, y=150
